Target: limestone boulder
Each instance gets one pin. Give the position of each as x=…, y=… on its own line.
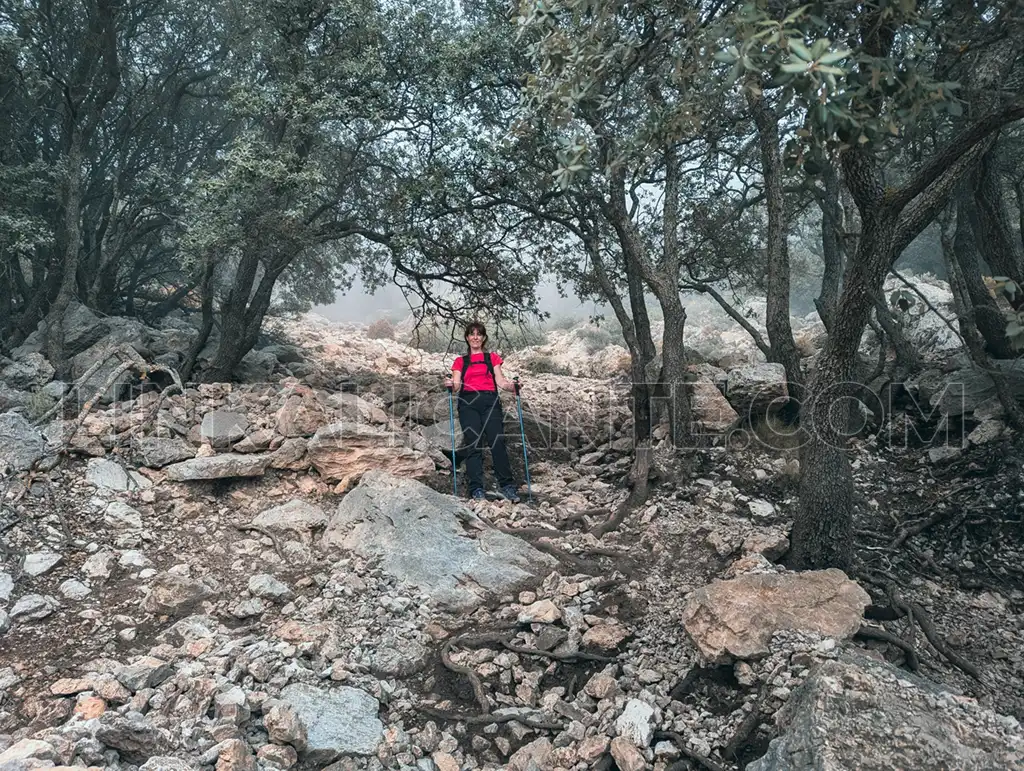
x=224, y=466
x=222, y=428
x=338, y=721
x=295, y=519
x=858, y=713
x=711, y=409
x=431, y=541
x=755, y=388
x=21, y=445
x=301, y=414
x=736, y=618
x=345, y=451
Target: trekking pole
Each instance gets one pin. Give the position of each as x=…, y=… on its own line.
x=451, y=428
x=522, y=433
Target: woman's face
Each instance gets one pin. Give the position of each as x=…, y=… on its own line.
x=475, y=337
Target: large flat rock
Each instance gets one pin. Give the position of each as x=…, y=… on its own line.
x=430, y=540
x=223, y=466
x=736, y=619
x=338, y=721
x=20, y=444
x=858, y=714
x=343, y=451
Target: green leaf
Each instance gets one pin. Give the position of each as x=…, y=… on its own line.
x=799, y=49
x=834, y=56
x=793, y=67
x=955, y=109
x=795, y=15
x=820, y=47
x=725, y=57
x=829, y=69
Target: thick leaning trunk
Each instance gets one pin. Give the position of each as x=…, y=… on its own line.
x=240, y=326
x=823, y=526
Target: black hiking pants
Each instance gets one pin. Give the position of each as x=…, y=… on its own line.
x=482, y=421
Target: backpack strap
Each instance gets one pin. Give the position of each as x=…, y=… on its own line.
x=488, y=362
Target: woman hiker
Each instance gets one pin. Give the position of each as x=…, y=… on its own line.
x=476, y=377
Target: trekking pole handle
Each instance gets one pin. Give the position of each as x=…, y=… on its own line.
x=515, y=382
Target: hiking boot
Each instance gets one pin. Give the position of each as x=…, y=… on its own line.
x=510, y=493
x=479, y=495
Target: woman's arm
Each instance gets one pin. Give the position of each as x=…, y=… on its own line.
x=503, y=383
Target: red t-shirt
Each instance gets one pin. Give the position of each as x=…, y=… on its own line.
x=476, y=377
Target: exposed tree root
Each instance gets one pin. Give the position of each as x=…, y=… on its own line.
x=915, y=613
x=504, y=639
x=581, y=565
x=486, y=719
x=875, y=633
x=684, y=748
x=638, y=492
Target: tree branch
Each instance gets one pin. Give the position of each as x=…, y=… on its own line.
x=961, y=144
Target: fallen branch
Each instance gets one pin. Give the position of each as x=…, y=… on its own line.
x=133, y=361
x=918, y=527
x=75, y=388
x=614, y=522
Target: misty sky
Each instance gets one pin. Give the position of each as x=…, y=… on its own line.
x=357, y=305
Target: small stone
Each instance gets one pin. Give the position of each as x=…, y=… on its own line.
x=25, y=750
x=41, y=562
x=74, y=589
x=648, y=676
x=235, y=756
x=172, y=595
x=607, y=637
x=89, y=707
x=635, y=722
x=266, y=586
x=34, y=607
x=540, y=612
x=592, y=748
x=445, y=762
x=601, y=686
x=533, y=755
x=722, y=544
x=99, y=565
x=284, y=726
x=627, y=757
x=761, y=509
x=131, y=558
x=121, y=516
x=744, y=674
x=772, y=545
x=278, y=755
